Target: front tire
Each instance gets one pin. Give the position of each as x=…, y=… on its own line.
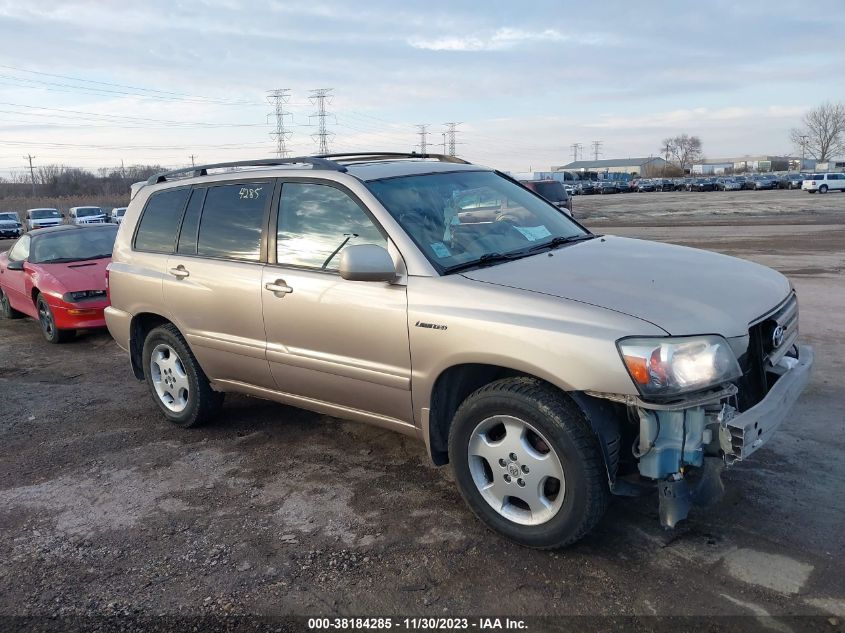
x=527, y=463
x=6, y=309
x=823, y=189
x=48, y=323
x=177, y=383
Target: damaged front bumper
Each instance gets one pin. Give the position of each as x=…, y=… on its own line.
x=683, y=447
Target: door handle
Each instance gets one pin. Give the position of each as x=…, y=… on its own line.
x=279, y=287
x=179, y=272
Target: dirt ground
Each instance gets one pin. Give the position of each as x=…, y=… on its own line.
x=106, y=509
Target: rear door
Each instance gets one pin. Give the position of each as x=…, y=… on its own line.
x=330, y=340
x=212, y=286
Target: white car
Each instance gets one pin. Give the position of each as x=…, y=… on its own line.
x=116, y=215
x=42, y=217
x=10, y=224
x=824, y=183
x=87, y=215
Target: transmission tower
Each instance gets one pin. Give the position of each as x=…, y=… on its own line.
x=596, y=149
x=319, y=97
x=451, y=130
x=278, y=99
x=576, y=150
x=422, y=130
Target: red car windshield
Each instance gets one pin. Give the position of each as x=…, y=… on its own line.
x=72, y=246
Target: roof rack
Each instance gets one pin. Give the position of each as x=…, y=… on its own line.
x=317, y=162
x=351, y=157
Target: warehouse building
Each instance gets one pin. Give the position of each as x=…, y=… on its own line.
x=650, y=165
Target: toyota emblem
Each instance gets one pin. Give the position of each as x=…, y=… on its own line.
x=777, y=336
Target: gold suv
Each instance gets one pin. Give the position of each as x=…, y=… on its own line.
x=550, y=366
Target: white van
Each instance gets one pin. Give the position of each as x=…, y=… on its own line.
x=87, y=215
x=116, y=215
x=824, y=183
x=42, y=217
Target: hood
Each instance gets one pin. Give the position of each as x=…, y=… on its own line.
x=74, y=276
x=681, y=290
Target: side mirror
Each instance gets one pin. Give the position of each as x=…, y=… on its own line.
x=15, y=265
x=366, y=262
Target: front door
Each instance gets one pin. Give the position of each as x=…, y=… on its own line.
x=331, y=340
x=212, y=284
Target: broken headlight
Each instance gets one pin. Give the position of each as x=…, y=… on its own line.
x=663, y=367
x=82, y=295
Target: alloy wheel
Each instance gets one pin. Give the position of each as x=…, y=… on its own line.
x=169, y=377
x=516, y=470
x=46, y=319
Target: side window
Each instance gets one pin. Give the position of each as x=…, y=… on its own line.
x=160, y=221
x=232, y=219
x=316, y=222
x=190, y=225
x=20, y=251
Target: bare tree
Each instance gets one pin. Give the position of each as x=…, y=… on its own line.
x=683, y=149
x=823, y=131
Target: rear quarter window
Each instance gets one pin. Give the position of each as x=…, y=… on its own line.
x=160, y=221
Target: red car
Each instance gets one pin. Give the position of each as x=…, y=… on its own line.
x=58, y=276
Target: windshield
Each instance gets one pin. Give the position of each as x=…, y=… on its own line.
x=9, y=216
x=86, y=212
x=119, y=212
x=461, y=217
x=72, y=246
x=40, y=214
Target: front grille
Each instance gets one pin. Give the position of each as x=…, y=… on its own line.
x=763, y=353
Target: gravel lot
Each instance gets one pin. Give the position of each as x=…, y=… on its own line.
x=106, y=509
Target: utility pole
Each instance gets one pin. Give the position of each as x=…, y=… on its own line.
x=318, y=98
x=193, y=164
x=278, y=99
x=803, y=138
x=576, y=149
x=444, y=141
x=666, y=149
x=29, y=157
x=451, y=130
x=596, y=149
x=122, y=170
x=423, y=132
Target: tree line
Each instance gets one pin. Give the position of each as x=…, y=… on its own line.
x=61, y=181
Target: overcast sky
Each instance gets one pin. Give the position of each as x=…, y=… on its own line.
x=157, y=81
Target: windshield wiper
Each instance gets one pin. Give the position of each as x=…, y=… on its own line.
x=562, y=241
x=486, y=260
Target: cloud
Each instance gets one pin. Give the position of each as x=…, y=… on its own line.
x=504, y=38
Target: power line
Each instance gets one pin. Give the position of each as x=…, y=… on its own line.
x=423, y=132
x=451, y=130
x=319, y=97
x=279, y=99
x=596, y=149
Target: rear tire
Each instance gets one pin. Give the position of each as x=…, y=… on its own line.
x=176, y=381
x=6, y=309
x=533, y=422
x=48, y=323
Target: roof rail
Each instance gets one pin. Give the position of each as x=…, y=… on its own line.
x=317, y=162
x=351, y=157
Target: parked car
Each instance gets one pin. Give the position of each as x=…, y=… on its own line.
x=87, y=215
x=822, y=183
x=664, y=184
x=645, y=185
x=682, y=184
x=10, y=224
x=608, y=186
x=553, y=191
x=795, y=180
x=729, y=184
x=42, y=218
x=529, y=353
x=116, y=215
x=761, y=182
x=57, y=275
x=586, y=187
x=743, y=181
x=702, y=184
